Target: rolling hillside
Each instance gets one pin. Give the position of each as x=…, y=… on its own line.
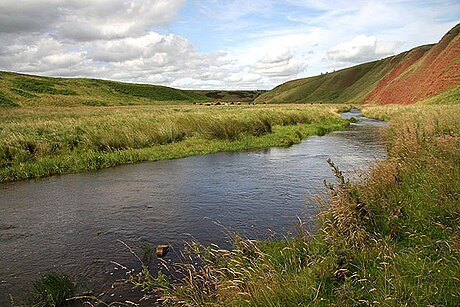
x=27, y=90
x=405, y=78
x=231, y=96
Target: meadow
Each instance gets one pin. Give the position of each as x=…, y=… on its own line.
x=43, y=141
x=389, y=240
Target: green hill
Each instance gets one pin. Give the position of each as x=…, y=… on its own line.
x=349, y=85
x=406, y=78
x=27, y=90
x=231, y=96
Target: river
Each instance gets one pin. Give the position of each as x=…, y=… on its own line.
x=71, y=223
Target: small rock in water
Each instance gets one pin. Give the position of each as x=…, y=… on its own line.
x=162, y=250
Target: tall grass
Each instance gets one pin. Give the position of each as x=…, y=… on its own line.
x=53, y=290
x=6, y=101
x=391, y=240
x=42, y=141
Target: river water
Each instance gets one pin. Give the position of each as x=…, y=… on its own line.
x=71, y=223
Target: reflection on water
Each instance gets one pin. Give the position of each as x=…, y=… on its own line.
x=72, y=223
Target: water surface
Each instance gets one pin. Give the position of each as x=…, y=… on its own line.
x=72, y=223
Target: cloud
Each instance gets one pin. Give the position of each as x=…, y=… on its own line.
x=167, y=59
x=125, y=49
x=128, y=59
x=116, y=19
x=243, y=77
x=18, y=16
x=87, y=20
x=362, y=48
x=110, y=39
x=279, y=63
x=213, y=44
x=63, y=59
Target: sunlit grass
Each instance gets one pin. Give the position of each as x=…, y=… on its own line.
x=451, y=96
x=36, y=142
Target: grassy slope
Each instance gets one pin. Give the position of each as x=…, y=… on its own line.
x=37, y=142
x=26, y=90
x=349, y=85
x=391, y=240
x=451, y=96
x=230, y=96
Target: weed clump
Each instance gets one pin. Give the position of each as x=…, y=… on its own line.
x=53, y=290
x=6, y=101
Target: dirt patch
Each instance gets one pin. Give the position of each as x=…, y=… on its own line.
x=424, y=72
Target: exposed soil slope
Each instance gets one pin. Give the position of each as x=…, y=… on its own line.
x=405, y=78
x=422, y=75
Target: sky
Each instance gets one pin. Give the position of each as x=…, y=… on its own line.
x=214, y=44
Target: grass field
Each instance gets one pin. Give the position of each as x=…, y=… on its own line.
x=44, y=141
x=390, y=240
x=28, y=90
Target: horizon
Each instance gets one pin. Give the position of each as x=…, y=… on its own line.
x=220, y=45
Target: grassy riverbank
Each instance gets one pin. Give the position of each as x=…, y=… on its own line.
x=38, y=142
x=391, y=240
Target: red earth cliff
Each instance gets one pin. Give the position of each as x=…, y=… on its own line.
x=425, y=71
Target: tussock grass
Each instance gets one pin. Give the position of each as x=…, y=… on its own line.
x=391, y=240
x=6, y=101
x=36, y=142
x=53, y=290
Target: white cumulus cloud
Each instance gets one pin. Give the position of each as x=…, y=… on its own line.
x=362, y=48
x=222, y=44
x=279, y=63
x=86, y=20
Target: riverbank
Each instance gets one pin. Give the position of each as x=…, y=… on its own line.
x=390, y=240
x=39, y=142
